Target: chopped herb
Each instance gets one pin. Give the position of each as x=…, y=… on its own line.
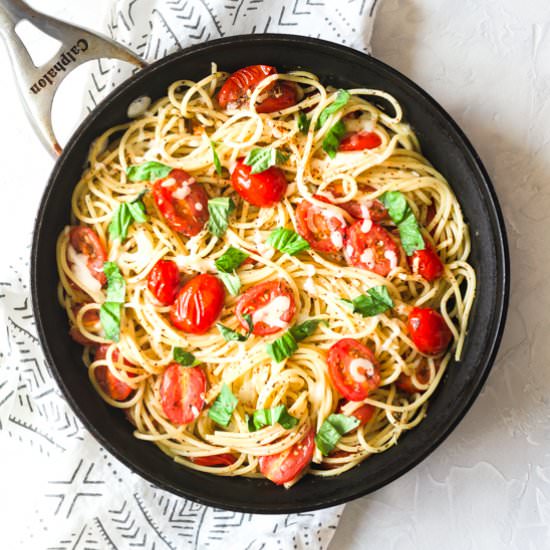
x=262, y=158
x=217, y=163
x=342, y=97
x=287, y=240
x=303, y=122
x=401, y=214
x=333, y=138
x=148, y=171
x=185, y=358
x=269, y=417
x=219, y=210
x=332, y=429
x=375, y=301
x=222, y=409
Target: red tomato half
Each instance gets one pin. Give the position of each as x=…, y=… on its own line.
x=198, y=304
x=426, y=263
x=89, y=319
x=85, y=241
x=225, y=459
x=163, y=281
x=361, y=209
x=281, y=96
x=370, y=246
x=263, y=189
x=182, y=392
x=286, y=466
x=359, y=141
x=429, y=332
x=182, y=201
x=271, y=305
x=406, y=382
x=323, y=230
x=116, y=389
x=363, y=413
x=238, y=87
x=353, y=369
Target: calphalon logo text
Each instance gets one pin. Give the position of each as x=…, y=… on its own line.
x=65, y=59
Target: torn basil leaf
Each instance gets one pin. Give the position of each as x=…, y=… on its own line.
x=262, y=158
x=305, y=329
x=109, y=317
x=116, y=286
x=332, y=139
x=332, y=429
x=375, y=301
x=287, y=241
x=223, y=407
x=282, y=347
x=148, y=171
x=219, y=210
x=342, y=97
x=185, y=358
x=269, y=417
x=216, y=159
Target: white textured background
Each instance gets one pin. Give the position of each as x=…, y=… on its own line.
x=488, y=63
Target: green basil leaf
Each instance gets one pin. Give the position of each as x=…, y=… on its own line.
x=262, y=158
x=282, y=348
x=230, y=260
x=231, y=335
x=116, y=286
x=375, y=301
x=219, y=210
x=342, y=97
x=148, y=171
x=332, y=429
x=303, y=122
x=287, y=240
x=217, y=163
x=109, y=316
x=185, y=358
x=231, y=281
x=137, y=210
x=305, y=329
x=222, y=409
x=401, y=214
x=120, y=222
x=333, y=138
x=269, y=417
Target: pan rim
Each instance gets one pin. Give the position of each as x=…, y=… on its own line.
x=502, y=287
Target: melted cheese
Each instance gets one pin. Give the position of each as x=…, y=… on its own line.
x=367, y=257
x=336, y=239
x=79, y=267
x=358, y=367
x=271, y=313
x=181, y=192
x=391, y=256
x=366, y=225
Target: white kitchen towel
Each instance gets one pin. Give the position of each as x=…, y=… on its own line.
x=75, y=494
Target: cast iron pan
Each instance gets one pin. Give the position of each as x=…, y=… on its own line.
x=445, y=146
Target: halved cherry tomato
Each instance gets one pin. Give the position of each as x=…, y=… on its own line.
x=363, y=413
x=89, y=319
x=271, y=305
x=281, y=96
x=320, y=227
x=85, y=241
x=406, y=383
x=360, y=208
x=163, y=281
x=198, y=304
x=263, y=189
x=286, y=466
x=116, y=389
x=358, y=141
x=426, y=263
x=182, y=201
x=429, y=332
x=224, y=459
x=370, y=246
x=353, y=369
x=182, y=392
x=238, y=87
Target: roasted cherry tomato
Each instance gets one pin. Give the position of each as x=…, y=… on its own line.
x=353, y=369
x=426, y=263
x=406, y=383
x=358, y=141
x=320, y=227
x=182, y=392
x=429, y=332
x=281, y=96
x=271, y=306
x=264, y=189
x=286, y=466
x=238, y=87
x=370, y=246
x=163, y=281
x=182, y=201
x=89, y=319
x=363, y=413
x=198, y=304
x=113, y=387
x=225, y=459
x=85, y=241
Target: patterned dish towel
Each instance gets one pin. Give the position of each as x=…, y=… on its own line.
x=77, y=496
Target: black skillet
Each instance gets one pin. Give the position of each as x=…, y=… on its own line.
x=442, y=142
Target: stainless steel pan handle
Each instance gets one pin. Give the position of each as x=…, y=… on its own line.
x=37, y=85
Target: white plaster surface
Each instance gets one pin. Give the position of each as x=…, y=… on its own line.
x=488, y=63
